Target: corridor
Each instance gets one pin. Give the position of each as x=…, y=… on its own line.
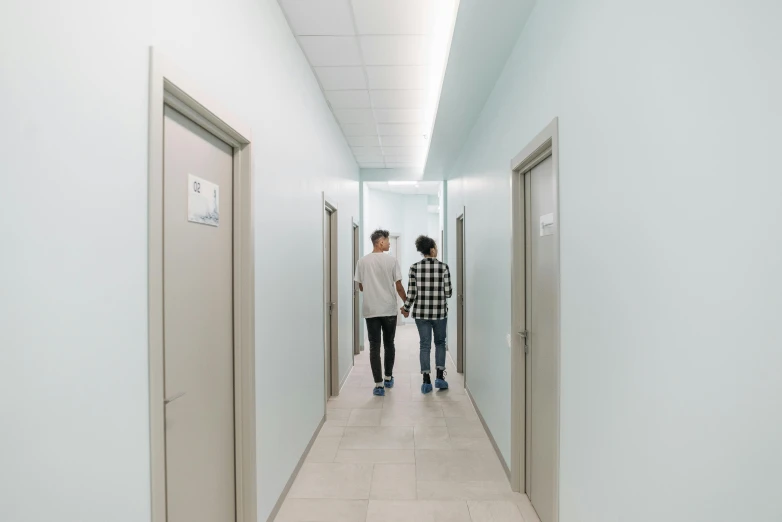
x=189, y=188
x=405, y=456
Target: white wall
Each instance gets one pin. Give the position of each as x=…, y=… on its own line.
x=73, y=306
x=670, y=216
x=383, y=210
x=433, y=227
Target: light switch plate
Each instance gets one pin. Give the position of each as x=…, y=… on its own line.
x=507, y=337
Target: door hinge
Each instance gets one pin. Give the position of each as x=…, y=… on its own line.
x=524, y=334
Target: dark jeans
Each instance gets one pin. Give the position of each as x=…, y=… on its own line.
x=386, y=325
x=425, y=329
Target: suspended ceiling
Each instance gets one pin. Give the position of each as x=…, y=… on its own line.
x=380, y=64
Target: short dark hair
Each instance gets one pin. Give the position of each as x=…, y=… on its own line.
x=377, y=234
x=425, y=244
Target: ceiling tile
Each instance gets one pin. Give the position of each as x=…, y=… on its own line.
x=354, y=115
x=399, y=115
x=369, y=159
x=319, y=17
x=349, y=99
x=403, y=165
x=404, y=151
x=404, y=159
x=403, y=141
x=364, y=141
x=394, y=16
x=359, y=129
x=397, y=77
x=400, y=129
x=395, y=50
x=407, y=99
x=367, y=151
x=331, y=50
x=341, y=78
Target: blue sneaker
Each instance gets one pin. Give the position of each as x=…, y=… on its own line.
x=389, y=383
x=426, y=387
x=440, y=383
x=380, y=392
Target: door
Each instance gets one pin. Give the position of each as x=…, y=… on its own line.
x=460, y=319
x=329, y=303
x=356, y=317
x=198, y=324
x=542, y=308
x=394, y=252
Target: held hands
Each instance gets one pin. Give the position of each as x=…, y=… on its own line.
x=405, y=312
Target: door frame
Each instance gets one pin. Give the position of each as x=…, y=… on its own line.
x=169, y=86
x=333, y=317
x=356, y=317
x=543, y=146
x=461, y=301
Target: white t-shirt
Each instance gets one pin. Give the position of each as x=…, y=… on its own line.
x=378, y=274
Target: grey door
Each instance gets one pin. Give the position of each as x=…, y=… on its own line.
x=542, y=324
x=198, y=329
x=356, y=317
x=460, y=320
x=327, y=290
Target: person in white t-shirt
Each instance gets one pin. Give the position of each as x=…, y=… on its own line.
x=379, y=277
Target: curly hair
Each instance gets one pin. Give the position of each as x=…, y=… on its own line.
x=377, y=234
x=425, y=244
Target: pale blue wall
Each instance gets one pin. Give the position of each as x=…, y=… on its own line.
x=73, y=274
x=670, y=217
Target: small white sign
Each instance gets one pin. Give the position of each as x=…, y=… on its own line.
x=547, y=225
x=203, y=201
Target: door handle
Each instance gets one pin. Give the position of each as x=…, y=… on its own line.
x=168, y=401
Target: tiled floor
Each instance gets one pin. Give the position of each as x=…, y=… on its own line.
x=403, y=457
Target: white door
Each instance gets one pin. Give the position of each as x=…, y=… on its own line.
x=542, y=317
x=198, y=326
x=394, y=252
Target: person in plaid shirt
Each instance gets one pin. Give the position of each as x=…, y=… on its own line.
x=429, y=288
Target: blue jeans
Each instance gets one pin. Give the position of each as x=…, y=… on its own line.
x=425, y=329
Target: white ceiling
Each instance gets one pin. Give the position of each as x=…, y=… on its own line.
x=429, y=188
x=375, y=61
x=484, y=36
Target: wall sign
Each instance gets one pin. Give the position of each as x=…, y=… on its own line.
x=547, y=225
x=203, y=201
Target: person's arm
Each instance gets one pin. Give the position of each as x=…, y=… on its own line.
x=358, y=278
x=447, y=283
x=400, y=289
x=412, y=290
x=398, y=278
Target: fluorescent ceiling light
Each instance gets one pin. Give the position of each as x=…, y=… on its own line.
x=392, y=183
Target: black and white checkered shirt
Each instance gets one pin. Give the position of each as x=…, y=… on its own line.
x=428, y=287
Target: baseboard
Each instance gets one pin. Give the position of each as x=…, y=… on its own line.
x=342, y=384
x=488, y=432
x=296, y=470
